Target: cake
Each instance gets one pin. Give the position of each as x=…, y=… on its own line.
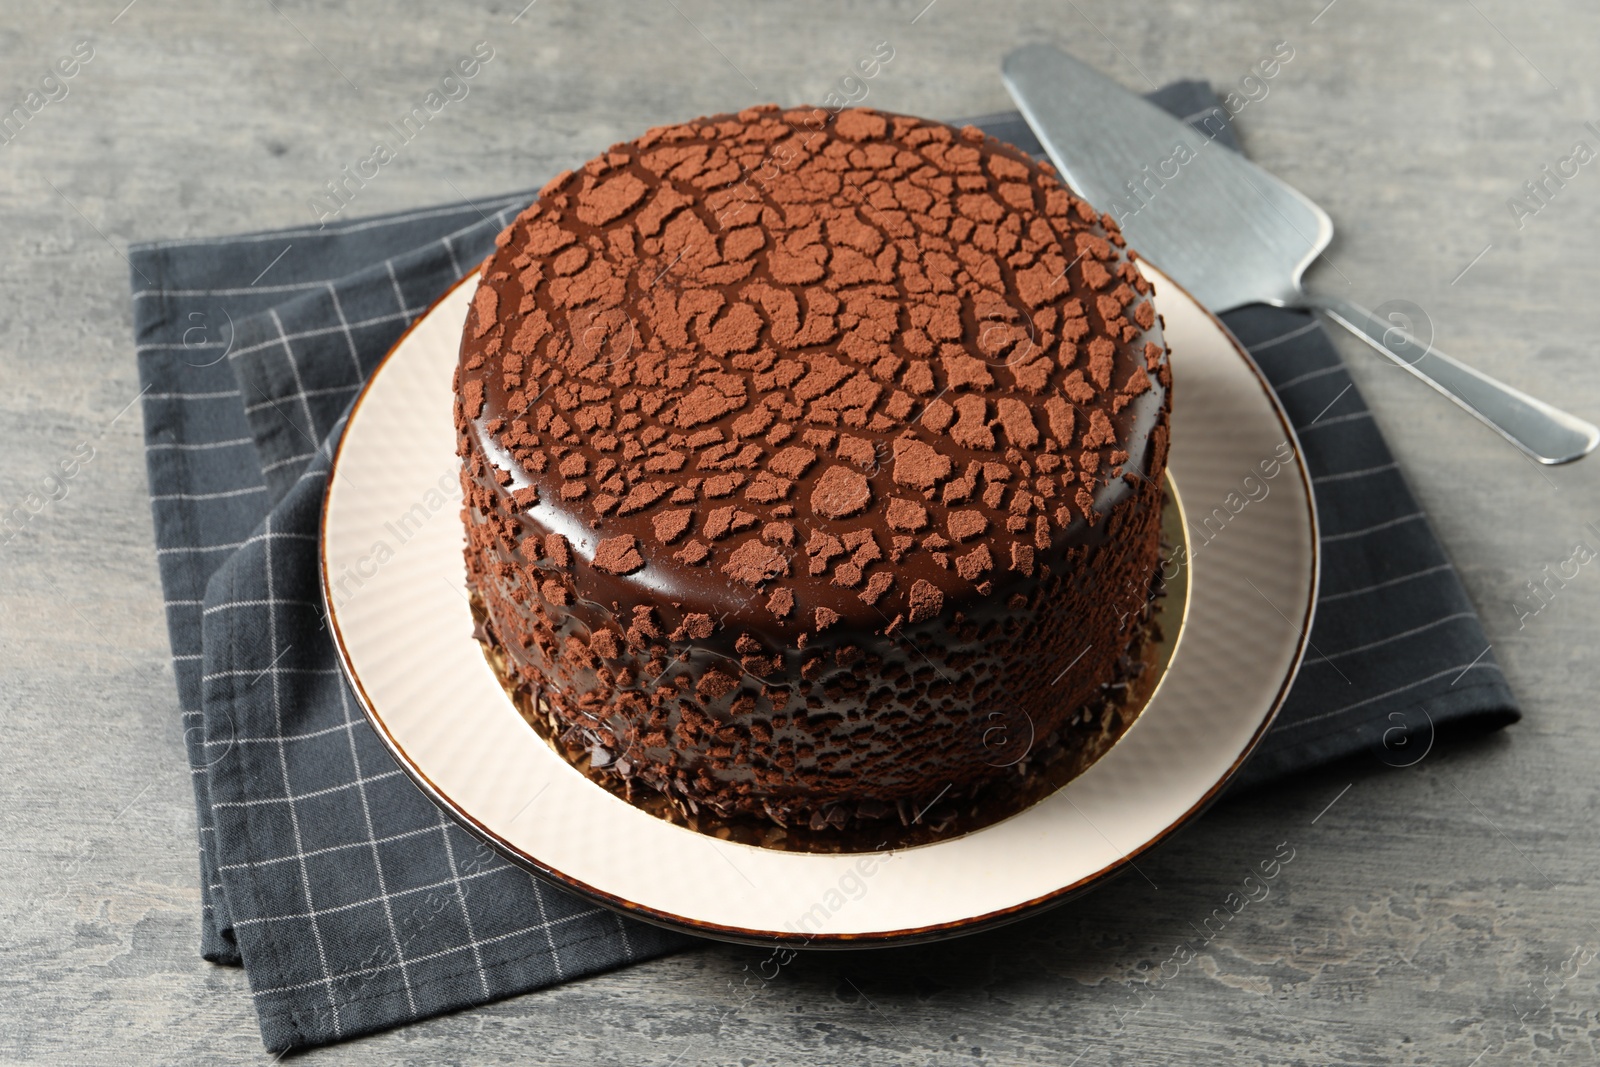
x=802, y=453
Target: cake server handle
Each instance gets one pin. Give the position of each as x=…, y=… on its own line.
x=1546, y=433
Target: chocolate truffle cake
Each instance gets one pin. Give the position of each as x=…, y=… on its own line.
x=802, y=450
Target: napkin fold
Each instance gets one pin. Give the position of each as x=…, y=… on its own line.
x=353, y=904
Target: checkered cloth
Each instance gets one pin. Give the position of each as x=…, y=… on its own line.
x=353, y=904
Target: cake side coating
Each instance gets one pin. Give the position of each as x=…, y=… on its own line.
x=801, y=455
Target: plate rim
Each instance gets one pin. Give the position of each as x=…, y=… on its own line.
x=821, y=941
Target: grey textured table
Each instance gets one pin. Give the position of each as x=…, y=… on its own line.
x=1437, y=914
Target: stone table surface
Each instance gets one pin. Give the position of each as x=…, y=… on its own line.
x=1438, y=914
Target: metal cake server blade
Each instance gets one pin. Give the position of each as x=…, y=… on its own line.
x=1232, y=234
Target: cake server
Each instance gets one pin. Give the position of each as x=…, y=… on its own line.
x=1232, y=234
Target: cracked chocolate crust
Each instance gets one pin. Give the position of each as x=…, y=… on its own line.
x=796, y=451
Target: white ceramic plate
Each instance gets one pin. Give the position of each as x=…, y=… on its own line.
x=394, y=581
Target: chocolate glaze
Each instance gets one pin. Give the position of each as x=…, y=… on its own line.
x=1042, y=764
x=796, y=449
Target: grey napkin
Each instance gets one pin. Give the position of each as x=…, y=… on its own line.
x=352, y=903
